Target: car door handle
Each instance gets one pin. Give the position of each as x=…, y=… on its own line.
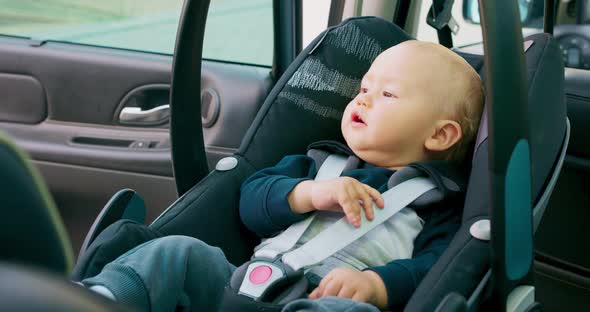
x=136, y=116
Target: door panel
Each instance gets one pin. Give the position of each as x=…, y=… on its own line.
x=70, y=143
x=24, y=101
x=82, y=84
x=81, y=191
x=560, y=290
x=62, y=103
x=562, y=263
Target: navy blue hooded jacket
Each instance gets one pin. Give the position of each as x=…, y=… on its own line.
x=265, y=210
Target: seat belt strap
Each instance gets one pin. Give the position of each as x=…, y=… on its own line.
x=441, y=19
x=331, y=168
x=341, y=233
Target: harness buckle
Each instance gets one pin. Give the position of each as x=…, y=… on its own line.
x=265, y=279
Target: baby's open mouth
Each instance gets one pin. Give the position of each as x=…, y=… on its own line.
x=357, y=119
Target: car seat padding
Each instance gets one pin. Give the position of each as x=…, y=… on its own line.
x=302, y=108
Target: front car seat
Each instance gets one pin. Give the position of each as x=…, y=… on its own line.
x=31, y=229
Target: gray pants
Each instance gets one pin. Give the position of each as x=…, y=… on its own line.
x=172, y=271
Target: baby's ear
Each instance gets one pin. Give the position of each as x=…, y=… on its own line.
x=446, y=134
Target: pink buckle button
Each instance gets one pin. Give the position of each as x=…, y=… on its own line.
x=260, y=274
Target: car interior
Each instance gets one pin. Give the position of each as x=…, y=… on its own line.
x=130, y=148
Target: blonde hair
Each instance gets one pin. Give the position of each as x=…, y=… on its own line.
x=468, y=114
x=467, y=95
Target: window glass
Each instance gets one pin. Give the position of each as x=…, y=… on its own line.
x=470, y=31
x=572, y=27
x=315, y=19
x=572, y=31
x=240, y=31
x=237, y=31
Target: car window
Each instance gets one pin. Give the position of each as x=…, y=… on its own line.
x=237, y=31
x=469, y=33
x=572, y=27
x=572, y=32
x=315, y=19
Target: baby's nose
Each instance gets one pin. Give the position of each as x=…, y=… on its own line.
x=363, y=102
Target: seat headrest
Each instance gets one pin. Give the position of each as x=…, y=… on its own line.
x=547, y=113
x=307, y=102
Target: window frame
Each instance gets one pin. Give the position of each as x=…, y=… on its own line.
x=34, y=41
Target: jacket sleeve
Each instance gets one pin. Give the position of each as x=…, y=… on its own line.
x=264, y=207
x=401, y=277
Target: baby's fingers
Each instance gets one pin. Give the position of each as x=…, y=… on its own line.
x=360, y=296
x=318, y=292
x=314, y=294
x=375, y=195
x=346, y=292
x=351, y=209
x=332, y=288
x=367, y=203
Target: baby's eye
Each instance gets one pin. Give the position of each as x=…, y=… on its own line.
x=387, y=94
x=363, y=90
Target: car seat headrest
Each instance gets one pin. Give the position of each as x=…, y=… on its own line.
x=307, y=102
x=544, y=68
x=475, y=58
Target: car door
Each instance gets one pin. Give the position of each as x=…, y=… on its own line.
x=85, y=87
x=562, y=259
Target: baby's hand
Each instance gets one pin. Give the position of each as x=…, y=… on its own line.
x=364, y=286
x=347, y=195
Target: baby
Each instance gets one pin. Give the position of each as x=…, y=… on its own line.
x=418, y=105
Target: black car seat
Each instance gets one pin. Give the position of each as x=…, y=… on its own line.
x=305, y=106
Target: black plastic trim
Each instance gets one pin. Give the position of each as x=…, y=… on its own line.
x=562, y=264
x=287, y=34
x=560, y=290
x=578, y=163
x=401, y=13
x=549, y=16
x=508, y=124
x=336, y=12
x=186, y=133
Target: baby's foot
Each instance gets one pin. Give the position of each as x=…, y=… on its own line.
x=99, y=289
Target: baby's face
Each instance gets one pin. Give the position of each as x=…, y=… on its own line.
x=397, y=106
